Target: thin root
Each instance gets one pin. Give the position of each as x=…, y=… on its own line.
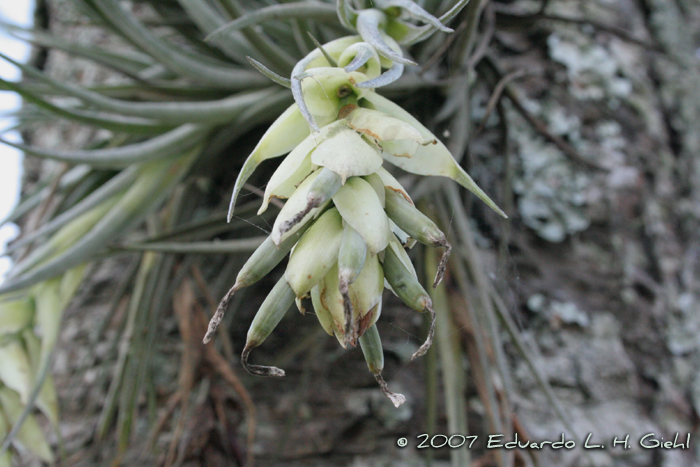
x=431, y=332
x=259, y=370
x=396, y=398
x=442, y=266
x=219, y=314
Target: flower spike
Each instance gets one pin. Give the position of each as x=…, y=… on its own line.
x=347, y=221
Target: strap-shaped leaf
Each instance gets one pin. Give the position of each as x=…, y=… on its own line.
x=208, y=19
x=160, y=147
x=214, y=111
x=258, y=38
x=316, y=11
x=223, y=76
x=68, y=180
x=51, y=299
x=148, y=192
x=29, y=433
x=129, y=62
x=113, y=187
x=112, y=122
x=47, y=399
x=16, y=314
x=16, y=370
x=220, y=247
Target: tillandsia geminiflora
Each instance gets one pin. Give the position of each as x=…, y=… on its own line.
x=347, y=220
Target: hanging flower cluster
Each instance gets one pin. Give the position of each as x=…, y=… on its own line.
x=347, y=220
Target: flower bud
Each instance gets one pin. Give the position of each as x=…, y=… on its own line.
x=360, y=207
x=315, y=254
x=405, y=285
x=271, y=312
x=364, y=294
x=351, y=260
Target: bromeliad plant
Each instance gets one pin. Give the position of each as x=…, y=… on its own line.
x=347, y=220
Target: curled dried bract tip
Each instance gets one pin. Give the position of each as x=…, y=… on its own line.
x=219, y=314
x=442, y=266
x=395, y=398
x=259, y=370
x=431, y=332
